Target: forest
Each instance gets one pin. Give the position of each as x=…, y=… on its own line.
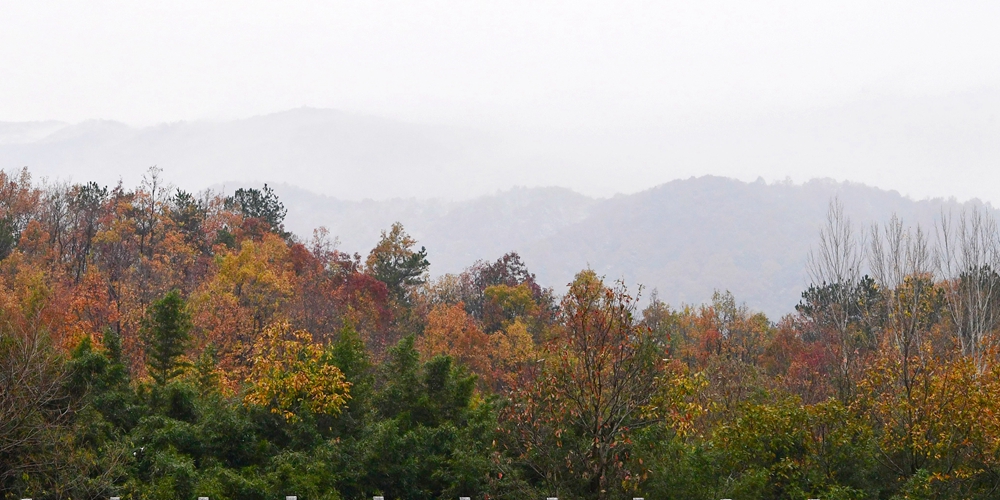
x=161, y=344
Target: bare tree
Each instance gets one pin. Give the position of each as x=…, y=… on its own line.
x=32, y=403
x=901, y=263
x=840, y=254
x=967, y=258
x=836, y=266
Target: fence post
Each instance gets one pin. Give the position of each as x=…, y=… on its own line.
x=293, y=497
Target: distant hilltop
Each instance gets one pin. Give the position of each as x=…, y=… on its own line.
x=685, y=238
x=926, y=146
x=450, y=186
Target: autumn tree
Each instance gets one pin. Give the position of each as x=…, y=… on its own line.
x=726, y=341
x=293, y=375
x=450, y=331
x=967, y=257
x=590, y=392
x=18, y=204
x=146, y=210
x=33, y=405
x=900, y=260
x=248, y=291
x=662, y=323
x=36, y=410
x=487, y=287
x=87, y=208
x=394, y=262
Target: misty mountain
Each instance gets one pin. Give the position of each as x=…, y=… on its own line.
x=27, y=132
x=923, y=146
x=347, y=155
x=685, y=238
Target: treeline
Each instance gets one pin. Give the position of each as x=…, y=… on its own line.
x=157, y=344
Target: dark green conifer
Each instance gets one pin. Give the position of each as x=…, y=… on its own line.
x=166, y=332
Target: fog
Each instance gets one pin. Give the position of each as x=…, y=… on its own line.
x=600, y=97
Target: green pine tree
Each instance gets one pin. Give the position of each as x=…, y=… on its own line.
x=166, y=331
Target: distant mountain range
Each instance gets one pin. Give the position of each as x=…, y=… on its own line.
x=684, y=238
x=347, y=155
x=938, y=145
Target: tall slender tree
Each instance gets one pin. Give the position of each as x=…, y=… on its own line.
x=167, y=335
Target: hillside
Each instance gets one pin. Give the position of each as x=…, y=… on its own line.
x=192, y=347
x=685, y=238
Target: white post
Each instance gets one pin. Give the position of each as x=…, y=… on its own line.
x=464, y=498
x=293, y=497
x=202, y=498
x=378, y=498
x=116, y=498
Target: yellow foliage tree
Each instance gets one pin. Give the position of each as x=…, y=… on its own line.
x=245, y=295
x=292, y=374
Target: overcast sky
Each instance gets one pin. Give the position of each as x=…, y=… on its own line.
x=558, y=66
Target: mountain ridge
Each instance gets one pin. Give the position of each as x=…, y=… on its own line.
x=928, y=145
x=685, y=238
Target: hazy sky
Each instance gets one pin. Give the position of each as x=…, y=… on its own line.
x=531, y=62
x=559, y=66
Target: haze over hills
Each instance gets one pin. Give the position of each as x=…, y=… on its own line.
x=337, y=153
x=922, y=146
x=685, y=238
x=451, y=185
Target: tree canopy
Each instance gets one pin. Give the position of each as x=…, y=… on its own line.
x=158, y=344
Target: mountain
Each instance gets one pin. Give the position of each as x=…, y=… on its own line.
x=685, y=238
x=347, y=155
x=924, y=146
x=25, y=132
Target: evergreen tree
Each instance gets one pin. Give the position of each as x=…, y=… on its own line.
x=395, y=262
x=262, y=204
x=166, y=330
